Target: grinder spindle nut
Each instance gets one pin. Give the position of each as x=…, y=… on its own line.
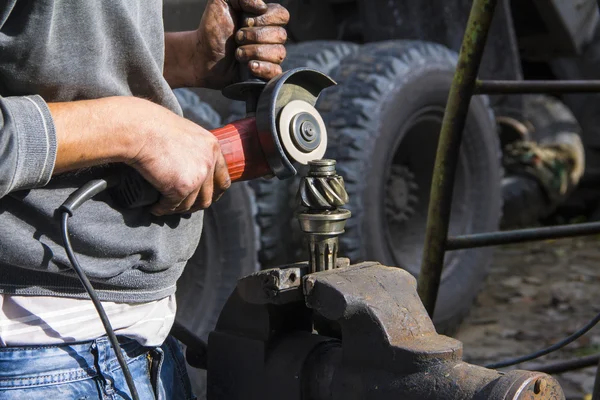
x=302, y=132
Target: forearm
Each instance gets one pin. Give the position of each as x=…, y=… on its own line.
x=94, y=132
x=180, y=64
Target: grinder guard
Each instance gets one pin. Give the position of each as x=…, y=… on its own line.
x=301, y=84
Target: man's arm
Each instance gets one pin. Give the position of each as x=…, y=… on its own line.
x=188, y=172
x=27, y=143
x=180, y=60
x=93, y=132
x=210, y=56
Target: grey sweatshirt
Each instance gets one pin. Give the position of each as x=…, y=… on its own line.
x=66, y=50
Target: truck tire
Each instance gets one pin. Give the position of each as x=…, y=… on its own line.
x=549, y=120
x=280, y=239
x=196, y=110
x=227, y=250
x=384, y=122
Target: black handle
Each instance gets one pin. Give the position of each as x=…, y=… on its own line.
x=133, y=191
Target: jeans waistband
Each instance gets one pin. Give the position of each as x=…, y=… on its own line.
x=33, y=365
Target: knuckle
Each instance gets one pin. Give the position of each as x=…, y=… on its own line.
x=225, y=184
x=259, y=52
x=215, y=146
x=285, y=14
x=259, y=35
x=282, y=35
x=282, y=53
x=184, y=188
x=280, y=12
x=206, y=203
x=184, y=208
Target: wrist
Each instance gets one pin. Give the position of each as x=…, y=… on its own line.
x=133, y=127
x=183, y=68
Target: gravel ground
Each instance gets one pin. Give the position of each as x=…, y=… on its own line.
x=536, y=295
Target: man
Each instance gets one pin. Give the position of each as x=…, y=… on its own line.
x=87, y=85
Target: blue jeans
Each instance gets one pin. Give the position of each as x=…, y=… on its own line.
x=91, y=371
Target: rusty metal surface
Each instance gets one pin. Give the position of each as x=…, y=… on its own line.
x=277, y=285
x=378, y=307
x=453, y=125
x=526, y=385
x=388, y=350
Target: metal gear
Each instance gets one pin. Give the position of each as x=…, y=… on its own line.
x=401, y=199
x=322, y=191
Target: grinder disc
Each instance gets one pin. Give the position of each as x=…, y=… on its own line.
x=295, y=144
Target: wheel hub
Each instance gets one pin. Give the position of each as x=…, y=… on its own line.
x=401, y=197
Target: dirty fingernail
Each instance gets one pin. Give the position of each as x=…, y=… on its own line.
x=241, y=36
x=240, y=53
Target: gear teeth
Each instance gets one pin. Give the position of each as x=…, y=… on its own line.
x=316, y=193
x=323, y=193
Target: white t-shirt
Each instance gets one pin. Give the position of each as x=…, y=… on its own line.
x=31, y=320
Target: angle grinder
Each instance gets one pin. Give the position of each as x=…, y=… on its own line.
x=282, y=128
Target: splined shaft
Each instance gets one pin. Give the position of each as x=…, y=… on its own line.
x=321, y=193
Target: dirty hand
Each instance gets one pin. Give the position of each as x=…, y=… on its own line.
x=222, y=45
x=182, y=160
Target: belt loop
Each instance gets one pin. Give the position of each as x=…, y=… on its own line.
x=104, y=350
x=101, y=350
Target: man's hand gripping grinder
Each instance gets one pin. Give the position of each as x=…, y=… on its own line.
x=282, y=128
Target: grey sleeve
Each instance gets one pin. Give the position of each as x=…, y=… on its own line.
x=27, y=143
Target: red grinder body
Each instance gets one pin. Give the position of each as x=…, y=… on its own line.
x=242, y=150
x=287, y=129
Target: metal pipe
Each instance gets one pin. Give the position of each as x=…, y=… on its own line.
x=520, y=236
x=453, y=125
x=541, y=87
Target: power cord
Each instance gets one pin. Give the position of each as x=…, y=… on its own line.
x=548, y=350
x=67, y=210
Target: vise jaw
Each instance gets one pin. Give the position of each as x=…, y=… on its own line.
x=355, y=332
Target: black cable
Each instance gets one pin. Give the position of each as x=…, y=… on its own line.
x=566, y=365
x=73, y=202
x=548, y=350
